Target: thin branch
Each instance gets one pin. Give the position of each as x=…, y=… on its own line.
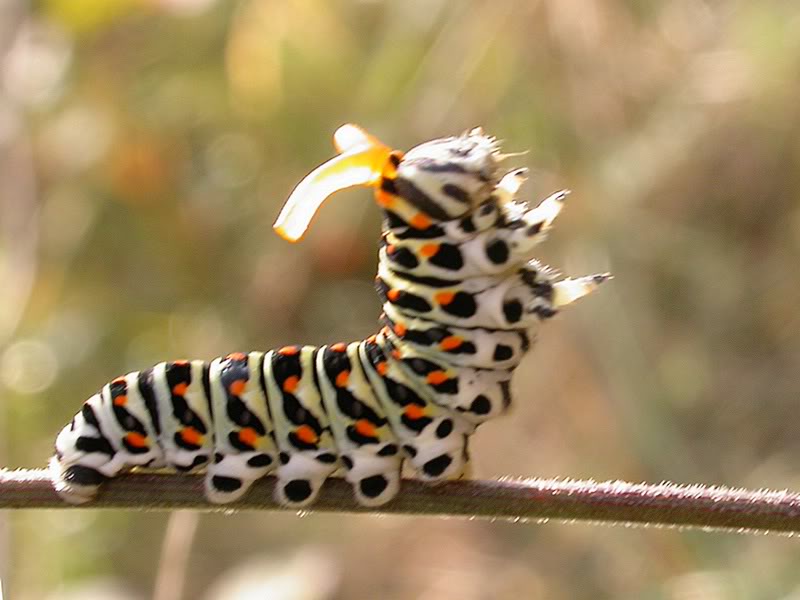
x=666, y=504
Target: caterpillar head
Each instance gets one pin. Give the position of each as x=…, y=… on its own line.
x=435, y=181
x=447, y=178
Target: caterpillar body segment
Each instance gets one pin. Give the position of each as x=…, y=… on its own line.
x=487, y=243
x=367, y=445
x=432, y=438
x=308, y=453
x=462, y=297
x=244, y=448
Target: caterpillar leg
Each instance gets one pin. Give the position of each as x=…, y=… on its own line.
x=433, y=437
x=231, y=475
x=244, y=446
x=368, y=447
x=440, y=452
x=374, y=473
x=308, y=453
x=301, y=475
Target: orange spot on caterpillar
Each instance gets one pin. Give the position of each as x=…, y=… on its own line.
x=341, y=379
x=120, y=400
x=371, y=339
x=179, y=389
x=397, y=354
x=190, y=435
x=420, y=221
x=290, y=383
x=400, y=329
x=289, y=351
x=391, y=249
x=393, y=295
x=382, y=368
x=248, y=436
x=236, y=356
x=306, y=434
x=119, y=380
x=237, y=387
x=429, y=250
x=444, y=298
x=436, y=377
x=339, y=347
x=137, y=440
x=414, y=412
x=384, y=198
x=365, y=428
x=180, y=363
x=451, y=342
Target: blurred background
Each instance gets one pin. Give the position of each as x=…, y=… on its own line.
x=146, y=147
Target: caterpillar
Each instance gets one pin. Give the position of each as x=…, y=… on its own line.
x=461, y=298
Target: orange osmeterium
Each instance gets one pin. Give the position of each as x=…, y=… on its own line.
x=363, y=160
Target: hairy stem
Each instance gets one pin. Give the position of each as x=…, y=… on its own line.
x=665, y=504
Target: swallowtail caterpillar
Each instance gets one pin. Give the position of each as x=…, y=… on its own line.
x=461, y=297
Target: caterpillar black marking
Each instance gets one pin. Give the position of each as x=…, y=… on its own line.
x=461, y=299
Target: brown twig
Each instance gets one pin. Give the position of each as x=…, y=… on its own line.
x=666, y=504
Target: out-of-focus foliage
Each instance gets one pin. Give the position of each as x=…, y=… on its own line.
x=146, y=147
